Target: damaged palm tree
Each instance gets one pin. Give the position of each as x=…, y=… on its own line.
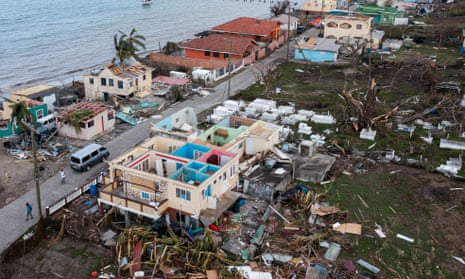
x=75, y=118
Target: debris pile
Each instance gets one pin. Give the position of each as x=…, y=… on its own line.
x=296, y=236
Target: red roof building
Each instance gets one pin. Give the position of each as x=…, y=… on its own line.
x=260, y=30
x=219, y=47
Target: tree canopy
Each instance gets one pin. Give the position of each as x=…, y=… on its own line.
x=127, y=45
x=279, y=8
x=20, y=115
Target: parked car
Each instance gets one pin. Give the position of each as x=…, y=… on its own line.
x=85, y=158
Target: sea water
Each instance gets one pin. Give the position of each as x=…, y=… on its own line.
x=57, y=41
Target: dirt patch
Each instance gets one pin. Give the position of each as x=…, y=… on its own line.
x=67, y=258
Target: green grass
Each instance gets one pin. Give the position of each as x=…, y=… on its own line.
x=385, y=196
x=84, y=256
x=81, y=253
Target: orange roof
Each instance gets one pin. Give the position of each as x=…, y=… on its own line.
x=248, y=25
x=171, y=80
x=221, y=43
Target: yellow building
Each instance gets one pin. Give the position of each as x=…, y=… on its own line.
x=319, y=6
x=122, y=80
x=342, y=26
x=177, y=180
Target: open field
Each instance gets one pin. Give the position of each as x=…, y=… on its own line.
x=402, y=199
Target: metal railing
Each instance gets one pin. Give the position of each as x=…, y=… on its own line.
x=68, y=198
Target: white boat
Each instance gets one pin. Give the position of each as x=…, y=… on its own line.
x=146, y=2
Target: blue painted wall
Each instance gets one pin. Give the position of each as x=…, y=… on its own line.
x=188, y=150
x=165, y=124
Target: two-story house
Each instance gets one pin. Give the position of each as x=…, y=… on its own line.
x=267, y=33
x=118, y=81
x=178, y=180
x=184, y=176
x=342, y=26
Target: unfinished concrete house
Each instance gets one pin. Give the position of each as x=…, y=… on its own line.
x=241, y=135
x=176, y=180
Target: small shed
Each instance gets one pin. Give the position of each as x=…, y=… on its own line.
x=265, y=180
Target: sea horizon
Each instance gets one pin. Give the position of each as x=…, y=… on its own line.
x=56, y=43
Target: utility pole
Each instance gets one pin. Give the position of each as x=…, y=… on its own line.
x=36, y=172
x=321, y=17
x=369, y=56
x=288, y=30
x=229, y=68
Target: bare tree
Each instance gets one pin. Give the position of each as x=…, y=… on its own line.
x=361, y=108
x=279, y=7
x=352, y=49
x=263, y=73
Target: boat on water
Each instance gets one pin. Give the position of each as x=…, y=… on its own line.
x=146, y=2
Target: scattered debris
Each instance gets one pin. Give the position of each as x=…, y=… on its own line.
x=460, y=260
x=406, y=238
x=351, y=228
x=368, y=266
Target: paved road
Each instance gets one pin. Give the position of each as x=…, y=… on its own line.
x=12, y=216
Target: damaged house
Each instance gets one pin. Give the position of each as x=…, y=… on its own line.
x=176, y=180
x=37, y=109
x=125, y=80
x=85, y=120
x=187, y=180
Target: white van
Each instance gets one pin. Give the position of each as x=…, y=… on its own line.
x=46, y=124
x=88, y=156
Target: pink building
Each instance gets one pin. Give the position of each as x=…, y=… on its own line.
x=93, y=118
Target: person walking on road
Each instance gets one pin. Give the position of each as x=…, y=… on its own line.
x=28, y=211
x=63, y=176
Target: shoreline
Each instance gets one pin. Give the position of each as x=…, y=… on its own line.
x=66, y=79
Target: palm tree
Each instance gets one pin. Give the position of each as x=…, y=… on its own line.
x=126, y=46
x=170, y=47
x=135, y=42
x=75, y=119
x=22, y=117
x=121, y=46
